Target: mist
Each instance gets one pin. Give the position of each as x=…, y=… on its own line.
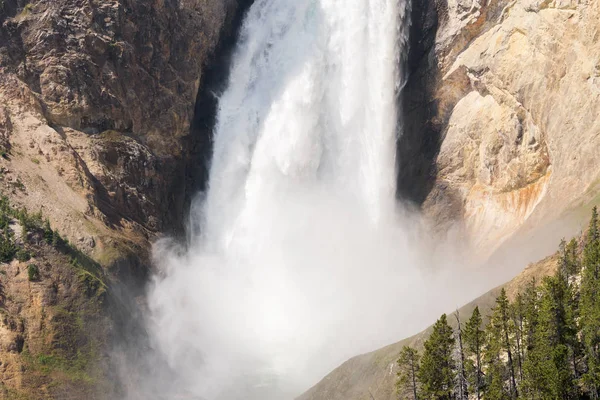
x=298, y=256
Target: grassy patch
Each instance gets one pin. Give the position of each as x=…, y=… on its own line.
x=36, y=225
x=9, y=393
x=71, y=356
x=60, y=368
x=26, y=10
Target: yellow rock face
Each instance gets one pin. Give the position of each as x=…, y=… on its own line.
x=523, y=144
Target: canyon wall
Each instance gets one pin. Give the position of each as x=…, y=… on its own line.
x=501, y=114
x=97, y=99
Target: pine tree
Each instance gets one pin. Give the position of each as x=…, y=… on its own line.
x=590, y=307
x=502, y=316
x=474, y=342
x=556, y=335
x=517, y=315
x=7, y=246
x=48, y=233
x=530, y=314
x=536, y=367
x=496, y=373
x=437, y=365
x=461, y=374
x=409, y=366
x=569, y=264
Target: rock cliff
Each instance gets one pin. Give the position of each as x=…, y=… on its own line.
x=502, y=110
x=97, y=99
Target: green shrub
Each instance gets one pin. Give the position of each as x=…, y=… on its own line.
x=33, y=272
x=48, y=233
x=23, y=255
x=7, y=247
x=4, y=220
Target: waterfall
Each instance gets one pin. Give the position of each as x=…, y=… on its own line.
x=299, y=249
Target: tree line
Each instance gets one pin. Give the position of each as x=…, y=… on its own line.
x=542, y=345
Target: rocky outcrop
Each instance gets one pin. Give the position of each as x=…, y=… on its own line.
x=105, y=97
x=53, y=329
x=97, y=102
x=512, y=127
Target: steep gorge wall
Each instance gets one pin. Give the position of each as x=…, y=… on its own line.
x=103, y=92
x=97, y=103
x=501, y=114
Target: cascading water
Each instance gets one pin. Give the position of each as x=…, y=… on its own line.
x=300, y=251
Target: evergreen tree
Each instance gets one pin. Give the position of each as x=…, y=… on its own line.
x=537, y=367
x=436, y=374
x=590, y=307
x=556, y=335
x=517, y=315
x=569, y=263
x=7, y=246
x=496, y=373
x=502, y=317
x=474, y=342
x=48, y=232
x=461, y=374
x=409, y=365
x=530, y=314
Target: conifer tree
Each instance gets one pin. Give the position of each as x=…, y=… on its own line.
x=436, y=374
x=556, y=335
x=409, y=366
x=537, y=367
x=7, y=247
x=517, y=316
x=503, y=319
x=461, y=374
x=590, y=307
x=495, y=370
x=530, y=314
x=474, y=342
x=569, y=263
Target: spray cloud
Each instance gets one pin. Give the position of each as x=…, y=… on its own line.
x=300, y=257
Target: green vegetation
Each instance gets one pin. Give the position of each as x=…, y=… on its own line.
x=36, y=229
x=74, y=368
x=474, y=339
x=33, y=272
x=436, y=373
x=7, y=246
x=409, y=369
x=23, y=255
x=544, y=345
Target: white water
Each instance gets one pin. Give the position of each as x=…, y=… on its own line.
x=301, y=258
